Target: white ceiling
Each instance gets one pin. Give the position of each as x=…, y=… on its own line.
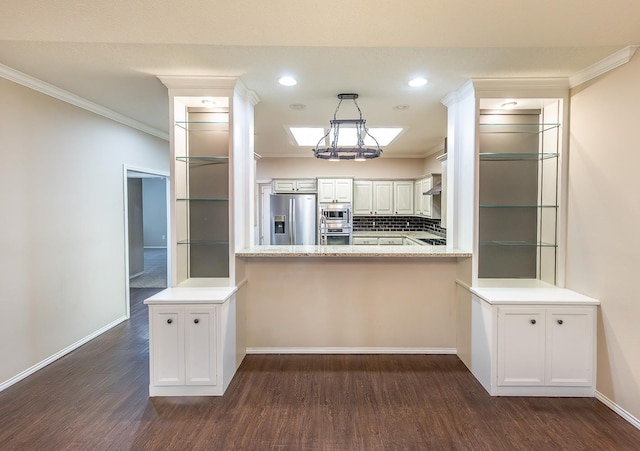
x=110, y=51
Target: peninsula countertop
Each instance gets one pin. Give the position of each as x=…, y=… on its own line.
x=420, y=251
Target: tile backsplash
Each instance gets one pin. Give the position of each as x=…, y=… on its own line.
x=397, y=224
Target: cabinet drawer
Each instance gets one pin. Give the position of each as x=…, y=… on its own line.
x=397, y=241
x=363, y=240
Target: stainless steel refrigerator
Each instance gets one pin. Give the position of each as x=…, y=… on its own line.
x=293, y=219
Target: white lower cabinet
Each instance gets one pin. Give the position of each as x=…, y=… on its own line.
x=536, y=349
x=192, y=346
x=550, y=346
x=184, y=343
x=521, y=344
x=365, y=240
x=391, y=241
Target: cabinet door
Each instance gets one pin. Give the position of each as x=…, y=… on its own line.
x=403, y=198
x=344, y=191
x=427, y=200
x=200, y=345
x=362, y=197
x=417, y=197
x=166, y=341
x=521, y=346
x=284, y=186
x=383, y=198
x=306, y=186
x=326, y=190
x=570, y=346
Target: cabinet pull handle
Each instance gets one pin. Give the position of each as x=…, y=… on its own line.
x=169, y=321
x=533, y=321
x=196, y=321
x=560, y=321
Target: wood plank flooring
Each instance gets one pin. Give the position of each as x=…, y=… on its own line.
x=96, y=398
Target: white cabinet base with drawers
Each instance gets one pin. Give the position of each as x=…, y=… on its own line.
x=538, y=341
x=192, y=341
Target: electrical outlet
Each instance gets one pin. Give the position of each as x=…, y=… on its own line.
x=163, y=237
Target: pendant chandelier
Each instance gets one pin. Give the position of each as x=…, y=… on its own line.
x=357, y=152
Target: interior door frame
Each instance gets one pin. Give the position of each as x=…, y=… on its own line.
x=152, y=172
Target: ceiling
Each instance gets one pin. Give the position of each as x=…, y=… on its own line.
x=110, y=51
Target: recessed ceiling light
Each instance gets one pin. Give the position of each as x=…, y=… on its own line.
x=297, y=106
x=401, y=107
x=417, y=82
x=509, y=104
x=288, y=81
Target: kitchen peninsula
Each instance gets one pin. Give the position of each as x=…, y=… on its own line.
x=351, y=299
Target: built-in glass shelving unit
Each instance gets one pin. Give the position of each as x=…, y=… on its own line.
x=518, y=196
x=202, y=194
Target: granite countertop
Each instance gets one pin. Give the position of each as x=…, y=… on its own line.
x=352, y=251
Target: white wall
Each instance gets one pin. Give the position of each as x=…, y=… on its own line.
x=62, y=248
x=154, y=206
x=603, y=238
x=270, y=168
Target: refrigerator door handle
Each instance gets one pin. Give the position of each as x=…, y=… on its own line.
x=292, y=219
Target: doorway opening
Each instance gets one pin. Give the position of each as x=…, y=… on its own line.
x=146, y=234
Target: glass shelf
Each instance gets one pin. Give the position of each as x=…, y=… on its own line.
x=512, y=128
x=518, y=206
x=516, y=244
x=201, y=161
x=202, y=126
x=516, y=156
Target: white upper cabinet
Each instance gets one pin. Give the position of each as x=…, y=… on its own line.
x=362, y=197
x=335, y=191
x=294, y=186
x=382, y=197
x=403, y=197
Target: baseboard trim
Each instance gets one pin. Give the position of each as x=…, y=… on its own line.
x=347, y=350
x=29, y=371
x=133, y=276
x=617, y=409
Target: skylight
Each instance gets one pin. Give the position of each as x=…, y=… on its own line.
x=309, y=136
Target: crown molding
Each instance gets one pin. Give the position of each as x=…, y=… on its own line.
x=612, y=61
x=460, y=93
x=75, y=100
x=253, y=97
x=519, y=87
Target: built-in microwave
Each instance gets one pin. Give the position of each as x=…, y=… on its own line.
x=335, y=224
x=336, y=213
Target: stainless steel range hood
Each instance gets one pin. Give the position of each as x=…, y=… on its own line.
x=436, y=190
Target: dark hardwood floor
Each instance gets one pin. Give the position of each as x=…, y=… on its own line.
x=96, y=398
